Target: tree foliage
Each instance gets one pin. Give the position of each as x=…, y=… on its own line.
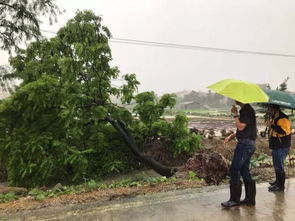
x=53, y=125
x=283, y=85
x=151, y=124
x=5, y=79
x=149, y=109
x=53, y=128
x=19, y=20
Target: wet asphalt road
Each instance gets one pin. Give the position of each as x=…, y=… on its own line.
x=184, y=205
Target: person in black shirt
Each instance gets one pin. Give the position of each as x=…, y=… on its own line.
x=246, y=135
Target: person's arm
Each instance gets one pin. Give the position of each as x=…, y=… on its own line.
x=229, y=138
x=240, y=126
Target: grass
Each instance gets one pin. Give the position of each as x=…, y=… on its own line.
x=7, y=197
x=90, y=185
x=200, y=112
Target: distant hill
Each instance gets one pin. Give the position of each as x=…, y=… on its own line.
x=201, y=99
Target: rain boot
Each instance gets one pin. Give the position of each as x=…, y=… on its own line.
x=275, y=181
x=235, y=195
x=250, y=193
x=280, y=185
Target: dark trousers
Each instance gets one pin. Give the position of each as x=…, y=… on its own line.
x=278, y=157
x=241, y=161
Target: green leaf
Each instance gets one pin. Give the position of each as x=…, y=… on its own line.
x=40, y=197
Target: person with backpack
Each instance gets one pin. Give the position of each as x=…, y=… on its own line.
x=279, y=135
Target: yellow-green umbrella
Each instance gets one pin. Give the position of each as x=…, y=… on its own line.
x=242, y=91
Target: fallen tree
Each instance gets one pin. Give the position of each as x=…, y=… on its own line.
x=62, y=124
x=158, y=167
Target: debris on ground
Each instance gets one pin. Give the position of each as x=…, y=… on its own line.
x=209, y=165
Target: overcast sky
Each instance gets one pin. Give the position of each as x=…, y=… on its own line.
x=249, y=25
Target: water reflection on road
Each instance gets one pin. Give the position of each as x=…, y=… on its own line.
x=186, y=205
x=205, y=206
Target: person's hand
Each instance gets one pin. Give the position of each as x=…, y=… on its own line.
x=227, y=139
x=234, y=110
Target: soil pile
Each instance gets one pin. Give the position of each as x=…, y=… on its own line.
x=209, y=165
x=158, y=150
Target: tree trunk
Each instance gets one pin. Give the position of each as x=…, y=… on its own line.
x=156, y=166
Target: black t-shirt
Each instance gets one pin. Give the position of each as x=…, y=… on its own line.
x=247, y=116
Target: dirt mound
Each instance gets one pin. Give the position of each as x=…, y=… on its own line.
x=216, y=144
x=209, y=165
x=158, y=150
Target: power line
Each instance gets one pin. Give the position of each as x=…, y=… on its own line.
x=196, y=47
x=190, y=47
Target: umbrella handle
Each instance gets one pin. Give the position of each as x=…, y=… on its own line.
x=263, y=134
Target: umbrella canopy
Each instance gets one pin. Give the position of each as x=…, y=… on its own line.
x=242, y=91
x=283, y=99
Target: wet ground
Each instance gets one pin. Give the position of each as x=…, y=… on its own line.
x=190, y=204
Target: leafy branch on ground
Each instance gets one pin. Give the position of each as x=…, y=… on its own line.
x=256, y=161
x=192, y=176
